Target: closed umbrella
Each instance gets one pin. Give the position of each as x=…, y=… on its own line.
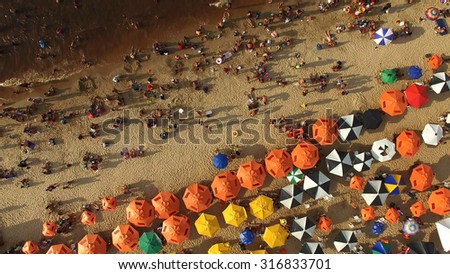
x=394, y=184
x=388, y=76
x=338, y=162
x=125, y=238
x=261, y=207
x=234, y=215
x=372, y=119
x=377, y=228
x=416, y=95
x=303, y=228
x=176, y=229
x=275, y=235
x=246, y=237
x=345, y=241
x=349, y=127
x=278, y=163
x=381, y=248
x=92, y=244
x=166, y=204
x=197, y=198
x=220, y=161
x=140, y=213
x=383, y=36
x=362, y=161
x=291, y=196
x=295, y=175
x=150, y=243
x=207, y=225
x=311, y=248
x=220, y=248
x=414, y=72
x=226, y=186
x=316, y=184
x=375, y=193
x=407, y=143
x=421, y=248
x=432, y=134
x=393, y=102
x=440, y=82
x=383, y=150
x=443, y=229
x=251, y=175
x=410, y=227
x=421, y=177
x=305, y=155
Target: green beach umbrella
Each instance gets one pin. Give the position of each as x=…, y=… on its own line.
x=388, y=76
x=295, y=175
x=150, y=243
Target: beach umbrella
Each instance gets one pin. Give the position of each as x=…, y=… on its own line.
x=383, y=150
x=447, y=120
x=295, y=175
x=226, y=186
x=383, y=36
x=392, y=215
x=261, y=207
x=311, y=248
x=220, y=248
x=421, y=248
x=356, y=182
x=166, y=204
x=362, y=161
x=207, y=225
x=49, y=229
x=303, y=228
x=349, y=127
x=92, y=244
x=234, y=215
x=410, y=227
x=393, y=102
x=325, y=131
x=316, y=184
x=375, y=193
x=140, y=213
x=278, y=163
x=88, y=218
x=440, y=82
x=305, y=155
x=432, y=134
x=125, y=238
x=197, y=198
x=325, y=224
x=176, y=229
x=220, y=161
x=439, y=201
x=432, y=13
x=372, y=119
x=345, y=241
x=407, y=143
x=291, y=196
x=377, y=228
x=150, y=243
x=246, y=237
x=421, y=177
x=435, y=61
x=338, y=162
x=275, y=235
x=416, y=95
x=381, y=248
x=443, y=229
x=368, y=213
x=30, y=247
x=109, y=203
x=388, y=76
x=259, y=251
x=59, y=249
x=251, y=175
x=394, y=184
x=414, y=72
x=418, y=209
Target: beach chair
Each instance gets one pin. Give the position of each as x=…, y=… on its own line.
x=440, y=23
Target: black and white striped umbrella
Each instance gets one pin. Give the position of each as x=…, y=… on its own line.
x=316, y=184
x=375, y=193
x=291, y=196
x=311, y=248
x=345, y=241
x=362, y=161
x=338, y=162
x=440, y=82
x=303, y=228
x=349, y=127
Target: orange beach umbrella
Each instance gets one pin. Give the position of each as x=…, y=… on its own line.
x=368, y=213
x=435, y=61
x=166, y=204
x=392, y=215
x=88, y=218
x=325, y=224
x=59, y=249
x=251, y=175
x=357, y=182
x=325, y=131
x=197, y=197
x=226, y=186
x=140, y=213
x=278, y=163
x=176, y=229
x=109, y=203
x=92, y=244
x=417, y=209
x=125, y=238
x=393, y=102
x=305, y=155
x=439, y=201
x=30, y=247
x=407, y=143
x=421, y=177
x=49, y=229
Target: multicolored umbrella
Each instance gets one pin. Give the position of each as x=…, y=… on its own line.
x=410, y=227
x=377, y=228
x=383, y=36
x=414, y=72
x=291, y=196
x=388, y=76
x=432, y=13
x=295, y=175
x=394, y=184
x=303, y=228
x=381, y=248
x=150, y=243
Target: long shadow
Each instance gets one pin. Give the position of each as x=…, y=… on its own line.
x=441, y=168
x=416, y=32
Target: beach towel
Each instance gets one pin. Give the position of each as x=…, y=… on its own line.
x=441, y=24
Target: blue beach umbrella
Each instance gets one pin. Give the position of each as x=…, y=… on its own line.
x=381, y=248
x=414, y=72
x=377, y=228
x=410, y=227
x=383, y=36
x=394, y=184
x=220, y=161
x=246, y=237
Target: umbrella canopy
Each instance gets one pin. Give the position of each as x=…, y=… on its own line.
x=418, y=209
x=338, y=162
x=383, y=36
x=92, y=244
x=345, y=241
x=295, y=175
x=49, y=229
x=125, y=238
x=383, y=150
x=375, y=193
x=432, y=13
x=176, y=229
x=432, y=134
x=394, y=184
x=392, y=215
x=278, y=163
x=259, y=251
x=109, y=203
x=303, y=228
x=140, y=213
x=220, y=161
x=251, y=175
x=246, y=237
x=407, y=143
x=261, y=207
x=381, y=248
x=311, y=248
x=439, y=201
x=30, y=247
x=305, y=155
x=150, y=243
x=226, y=186
x=410, y=227
x=207, y=225
x=388, y=76
x=372, y=119
x=349, y=127
x=356, y=182
x=325, y=131
x=220, y=248
x=197, y=197
x=435, y=61
x=59, y=249
x=421, y=177
x=443, y=229
x=291, y=196
x=88, y=218
x=393, y=102
x=421, y=248
x=275, y=235
x=440, y=82
x=234, y=215
x=316, y=184
x=325, y=224
x=362, y=161
x=166, y=204
x=377, y=228
x=416, y=95
x=368, y=213
x=414, y=72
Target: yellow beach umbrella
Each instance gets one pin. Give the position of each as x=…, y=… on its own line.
x=275, y=235
x=259, y=251
x=220, y=248
x=207, y=225
x=261, y=207
x=234, y=215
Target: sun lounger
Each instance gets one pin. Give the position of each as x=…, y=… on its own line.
x=440, y=23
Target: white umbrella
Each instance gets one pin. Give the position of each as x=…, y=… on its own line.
x=375, y=193
x=362, y=161
x=303, y=228
x=338, y=162
x=316, y=184
x=432, y=134
x=443, y=229
x=440, y=82
x=345, y=241
x=383, y=150
x=349, y=127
